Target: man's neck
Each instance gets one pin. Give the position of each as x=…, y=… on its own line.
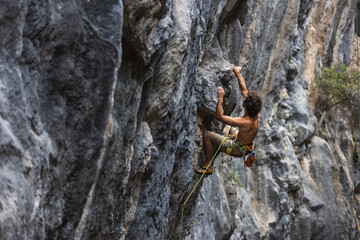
x=245, y=113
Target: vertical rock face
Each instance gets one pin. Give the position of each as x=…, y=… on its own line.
x=103, y=103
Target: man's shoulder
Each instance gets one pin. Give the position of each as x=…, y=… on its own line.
x=241, y=121
x=247, y=120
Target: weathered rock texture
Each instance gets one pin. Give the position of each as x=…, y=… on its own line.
x=102, y=106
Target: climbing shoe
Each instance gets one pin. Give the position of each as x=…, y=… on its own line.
x=203, y=170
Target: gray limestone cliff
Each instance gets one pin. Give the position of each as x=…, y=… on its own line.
x=103, y=105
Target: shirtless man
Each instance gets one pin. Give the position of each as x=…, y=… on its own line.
x=248, y=126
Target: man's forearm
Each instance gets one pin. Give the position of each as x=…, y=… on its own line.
x=242, y=84
x=219, y=109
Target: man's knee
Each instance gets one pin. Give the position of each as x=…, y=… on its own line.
x=206, y=134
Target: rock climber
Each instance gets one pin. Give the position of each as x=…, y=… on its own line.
x=241, y=141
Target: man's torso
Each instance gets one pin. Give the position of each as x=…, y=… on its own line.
x=248, y=128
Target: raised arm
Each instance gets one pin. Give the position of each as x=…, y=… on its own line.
x=219, y=110
x=243, y=89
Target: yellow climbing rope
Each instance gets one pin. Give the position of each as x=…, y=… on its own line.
x=183, y=205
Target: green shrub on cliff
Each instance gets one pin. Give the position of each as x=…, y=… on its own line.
x=339, y=85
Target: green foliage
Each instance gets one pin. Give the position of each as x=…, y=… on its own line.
x=282, y=115
x=193, y=225
x=236, y=179
x=338, y=84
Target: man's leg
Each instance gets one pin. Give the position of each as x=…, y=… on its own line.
x=209, y=149
x=211, y=142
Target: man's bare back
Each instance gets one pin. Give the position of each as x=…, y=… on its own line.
x=248, y=129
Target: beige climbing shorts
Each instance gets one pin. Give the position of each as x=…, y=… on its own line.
x=216, y=140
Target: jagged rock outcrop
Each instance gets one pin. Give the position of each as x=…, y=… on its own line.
x=103, y=105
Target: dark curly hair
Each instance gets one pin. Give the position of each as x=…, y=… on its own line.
x=253, y=103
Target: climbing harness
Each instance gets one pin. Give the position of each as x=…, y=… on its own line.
x=245, y=149
x=248, y=163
